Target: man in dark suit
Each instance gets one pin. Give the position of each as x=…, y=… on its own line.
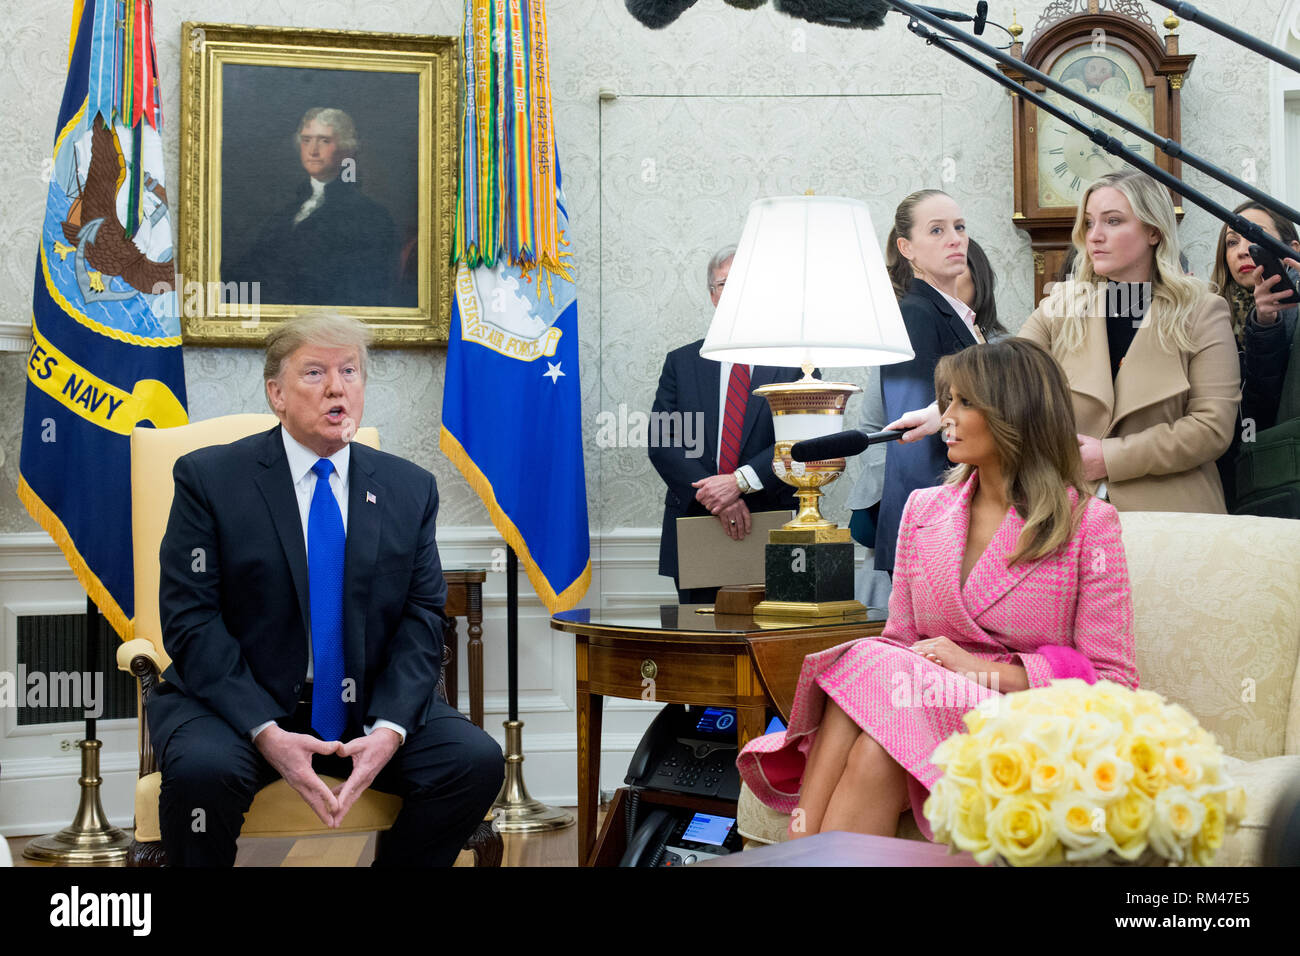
x=331, y=244
x=728, y=473
x=301, y=599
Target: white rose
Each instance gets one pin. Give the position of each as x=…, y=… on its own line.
x=1177, y=819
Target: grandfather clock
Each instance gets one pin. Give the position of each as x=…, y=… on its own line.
x=1110, y=51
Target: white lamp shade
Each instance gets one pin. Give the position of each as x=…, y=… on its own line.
x=808, y=285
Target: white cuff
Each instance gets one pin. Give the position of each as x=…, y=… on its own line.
x=252, y=734
x=752, y=477
x=395, y=728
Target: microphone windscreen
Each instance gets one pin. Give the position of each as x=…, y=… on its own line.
x=840, y=445
x=657, y=14
x=981, y=16
x=853, y=14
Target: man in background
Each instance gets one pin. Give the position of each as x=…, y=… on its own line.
x=731, y=476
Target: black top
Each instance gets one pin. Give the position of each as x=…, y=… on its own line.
x=1126, y=305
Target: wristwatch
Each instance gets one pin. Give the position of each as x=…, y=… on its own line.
x=741, y=483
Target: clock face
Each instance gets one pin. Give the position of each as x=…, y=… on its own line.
x=1068, y=161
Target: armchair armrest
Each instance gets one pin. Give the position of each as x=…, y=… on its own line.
x=127, y=651
x=140, y=658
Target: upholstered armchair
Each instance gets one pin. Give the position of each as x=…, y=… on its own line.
x=277, y=810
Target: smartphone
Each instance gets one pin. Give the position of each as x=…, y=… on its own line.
x=1271, y=265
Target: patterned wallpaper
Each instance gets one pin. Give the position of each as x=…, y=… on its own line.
x=665, y=137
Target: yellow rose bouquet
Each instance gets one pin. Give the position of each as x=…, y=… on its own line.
x=1079, y=773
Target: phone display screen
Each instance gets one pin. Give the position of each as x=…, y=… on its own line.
x=708, y=828
x=717, y=720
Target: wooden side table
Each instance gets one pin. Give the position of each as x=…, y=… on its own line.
x=465, y=599
x=672, y=655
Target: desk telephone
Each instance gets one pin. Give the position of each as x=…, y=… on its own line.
x=688, y=751
x=684, y=751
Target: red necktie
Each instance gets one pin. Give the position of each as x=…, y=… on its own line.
x=734, y=422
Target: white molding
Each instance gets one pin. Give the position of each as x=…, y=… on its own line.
x=15, y=336
x=1281, y=80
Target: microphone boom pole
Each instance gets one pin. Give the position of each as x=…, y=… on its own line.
x=1193, y=15
x=1107, y=142
x=1169, y=147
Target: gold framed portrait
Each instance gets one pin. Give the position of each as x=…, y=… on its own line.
x=318, y=172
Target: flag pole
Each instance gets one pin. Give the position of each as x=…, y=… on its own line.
x=519, y=813
x=90, y=840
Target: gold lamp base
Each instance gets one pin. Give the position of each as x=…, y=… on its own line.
x=782, y=611
x=90, y=840
x=520, y=813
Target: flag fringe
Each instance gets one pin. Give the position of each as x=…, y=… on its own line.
x=566, y=599
x=94, y=588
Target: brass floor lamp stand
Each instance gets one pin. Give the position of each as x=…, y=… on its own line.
x=518, y=812
x=90, y=840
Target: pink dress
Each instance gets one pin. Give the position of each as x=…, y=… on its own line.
x=1069, y=614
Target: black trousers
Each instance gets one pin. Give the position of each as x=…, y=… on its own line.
x=447, y=773
x=696, y=595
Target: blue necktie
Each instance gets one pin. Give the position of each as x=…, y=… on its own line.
x=325, y=544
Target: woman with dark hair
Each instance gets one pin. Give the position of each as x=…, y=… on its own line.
x=1008, y=575
x=975, y=288
x=1264, y=332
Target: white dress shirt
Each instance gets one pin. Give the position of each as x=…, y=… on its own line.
x=313, y=202
x=965, y=313
x=301, y=459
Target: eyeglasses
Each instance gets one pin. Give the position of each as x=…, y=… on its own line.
x=717, y=286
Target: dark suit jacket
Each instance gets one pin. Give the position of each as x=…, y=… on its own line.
x=690, y=384
x=935, y=330
x=235, y=623
x=344, y=253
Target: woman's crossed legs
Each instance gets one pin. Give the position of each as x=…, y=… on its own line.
x=850, y=783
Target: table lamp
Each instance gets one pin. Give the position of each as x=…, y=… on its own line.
x=808, y=287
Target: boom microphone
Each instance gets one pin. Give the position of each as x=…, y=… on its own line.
x=854, y=14
x=657, y=14
x=981, y=16
x=844, y=444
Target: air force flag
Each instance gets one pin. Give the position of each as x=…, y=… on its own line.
x=512, y=415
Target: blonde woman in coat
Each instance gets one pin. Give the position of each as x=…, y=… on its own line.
x=1148, y=352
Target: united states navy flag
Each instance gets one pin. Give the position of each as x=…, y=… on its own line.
x=106, y=340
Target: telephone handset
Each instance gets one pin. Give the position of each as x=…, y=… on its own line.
x=679, y=837
x=647, y=845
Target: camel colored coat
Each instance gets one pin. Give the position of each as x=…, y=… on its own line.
x=1166, y=416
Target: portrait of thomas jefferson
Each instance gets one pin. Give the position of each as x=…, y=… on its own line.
x=329, y=243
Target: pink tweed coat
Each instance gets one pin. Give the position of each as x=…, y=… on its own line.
x=1069, y=614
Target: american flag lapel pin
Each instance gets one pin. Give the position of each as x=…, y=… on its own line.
x=370, y=497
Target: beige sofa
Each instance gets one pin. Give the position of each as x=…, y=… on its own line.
x=1216, y=601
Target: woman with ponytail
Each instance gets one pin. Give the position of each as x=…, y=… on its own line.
x=926, y=255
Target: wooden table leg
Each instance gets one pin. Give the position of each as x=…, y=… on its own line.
x=751, y=701
x=475, y=649
x=450, y=673
x=590, y=712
